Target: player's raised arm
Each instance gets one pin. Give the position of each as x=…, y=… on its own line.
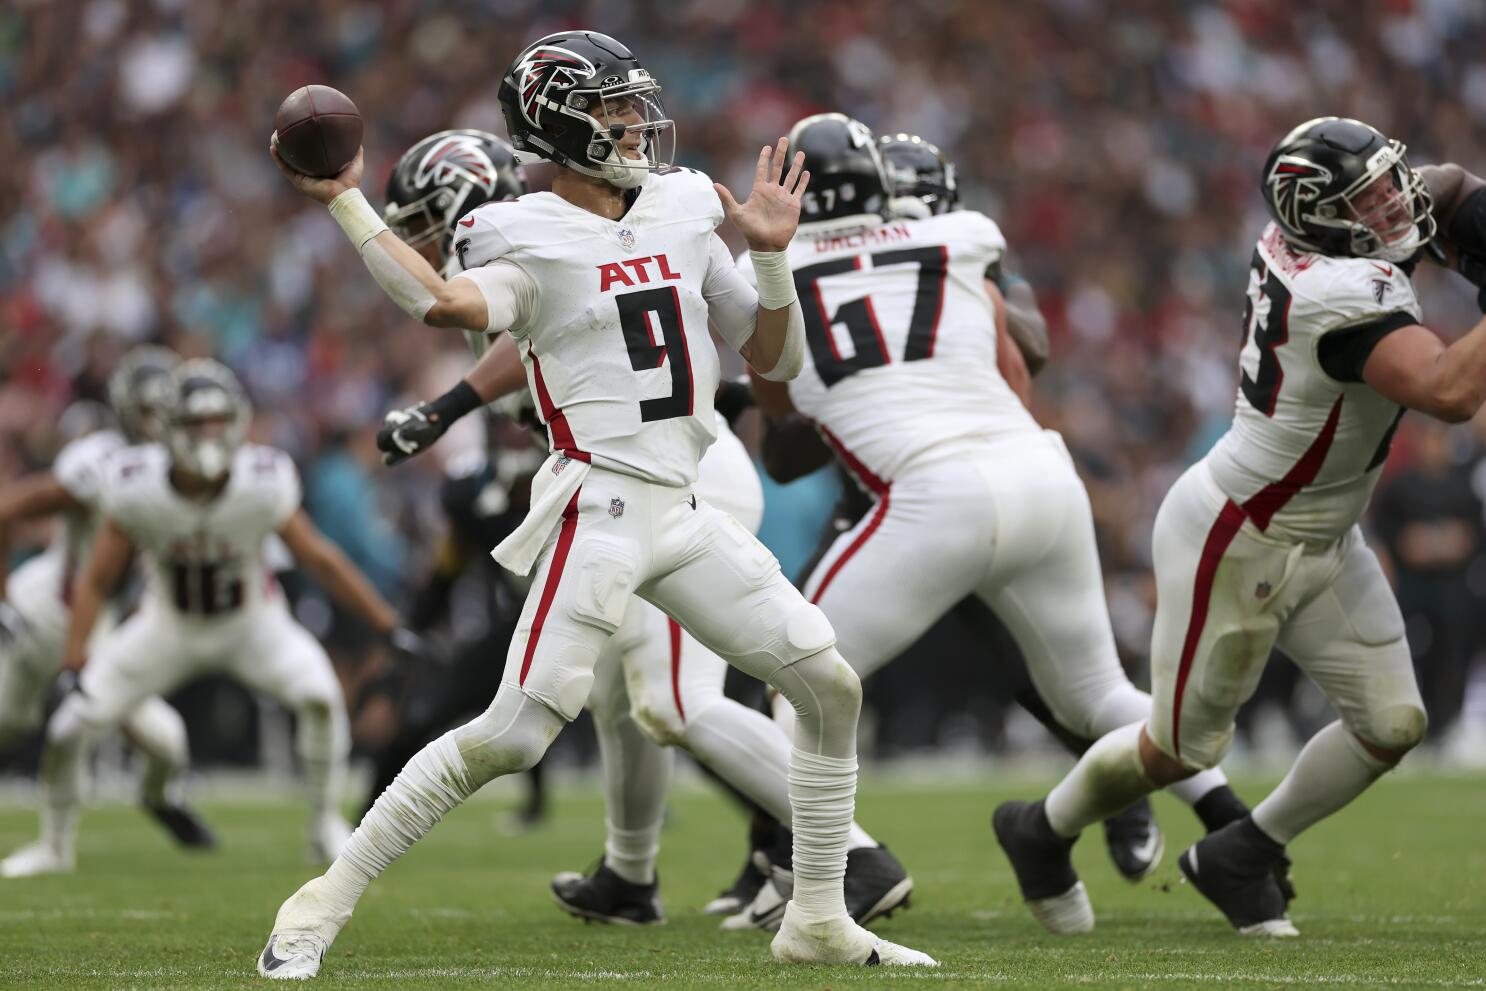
x=39, y=494
x=414, y=429
x=401, y=271
x=767, y=221
x=1411, y=365
x=106, y=563
x=328, y=565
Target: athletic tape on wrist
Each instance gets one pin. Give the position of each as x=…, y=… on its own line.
x=776, y=283
x=356, y=217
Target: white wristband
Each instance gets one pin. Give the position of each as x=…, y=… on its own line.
x=356, y=217
x=776, y=284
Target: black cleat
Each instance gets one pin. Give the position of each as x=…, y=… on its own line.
x=744, y=888
x=184, y=824
x=1134, y=840
x=1042, y=862
x=876, y=884
x=1234, y=868
x=604, y=896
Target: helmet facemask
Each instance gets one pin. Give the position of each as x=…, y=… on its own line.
x=205, y=427
x=620, y=112
x=1386, y=212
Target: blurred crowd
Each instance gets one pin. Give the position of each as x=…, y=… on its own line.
x=1116, y=144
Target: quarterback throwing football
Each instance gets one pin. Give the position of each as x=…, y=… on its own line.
x=607, y=284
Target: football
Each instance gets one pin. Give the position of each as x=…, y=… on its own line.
x=319, y=130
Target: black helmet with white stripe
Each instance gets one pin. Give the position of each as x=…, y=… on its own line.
x=846, y=173
x=207, y=419
x=920, y=179
x=139, y=390
x=1340, y=187
x=442, y=178
x=582, y=100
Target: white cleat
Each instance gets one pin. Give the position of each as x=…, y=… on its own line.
x=1281, y=928
x=302, y=931
x=328, y=835
x=36, y=859
x=1065, y=914
x=839, y=941
x=767, y=907
x=292, y=957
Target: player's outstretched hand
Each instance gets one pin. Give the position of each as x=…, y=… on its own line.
x=408, y=432
x=321, y=190
x=768, y=218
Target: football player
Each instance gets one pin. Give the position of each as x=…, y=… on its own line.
x=971, y=496
x=1257, y=545
x=655, y=685
x=198, y=509
x=922, y=183
x=35, y=604
x=607, y=285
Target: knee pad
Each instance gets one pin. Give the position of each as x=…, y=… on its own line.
x=806, y=632
x=1397, y=728
x=830, y=679
x=510, y=736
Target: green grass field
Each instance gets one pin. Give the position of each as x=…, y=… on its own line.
x=1392, y=894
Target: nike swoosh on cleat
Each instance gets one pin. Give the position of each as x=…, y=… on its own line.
x=1148, y=848
x=272, y=961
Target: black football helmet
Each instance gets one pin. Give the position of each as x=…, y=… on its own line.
x=1339, y=187
x=919, y=177
x=846, y=173
x=574, y=97
x=442, y=178
x=207, y=417
x=139, y=390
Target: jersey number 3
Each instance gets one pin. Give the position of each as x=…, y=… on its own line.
x=1266, y=326
x=860, y=319
x=640, y=314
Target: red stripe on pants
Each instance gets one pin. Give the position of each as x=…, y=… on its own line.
x=1218, y=538
x=856, y=545
x=554, y=575
x=676, y=667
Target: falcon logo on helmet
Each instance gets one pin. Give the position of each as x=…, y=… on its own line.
x=459, y=156
x=539, y=69
x=441, y=179
x=1294, y=185
x=582, y=100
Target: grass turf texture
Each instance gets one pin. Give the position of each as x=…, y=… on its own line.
x=1392, y=894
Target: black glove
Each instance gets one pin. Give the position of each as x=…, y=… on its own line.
x=409, y=431
x=414, y=429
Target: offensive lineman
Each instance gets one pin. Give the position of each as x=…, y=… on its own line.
x=971, y=496
x=623, y=377
x=37, y=598
x=198, y=508
x=1257, y=545
x=654, y=685
x=923, y=183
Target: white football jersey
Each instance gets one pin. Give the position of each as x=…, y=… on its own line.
x=617, y=351
x=901, y=356
x=80, y=469
x=1305, y=449
x=203, y=559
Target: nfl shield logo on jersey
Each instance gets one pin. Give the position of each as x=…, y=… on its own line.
x=616, y=507
x=626, y=238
